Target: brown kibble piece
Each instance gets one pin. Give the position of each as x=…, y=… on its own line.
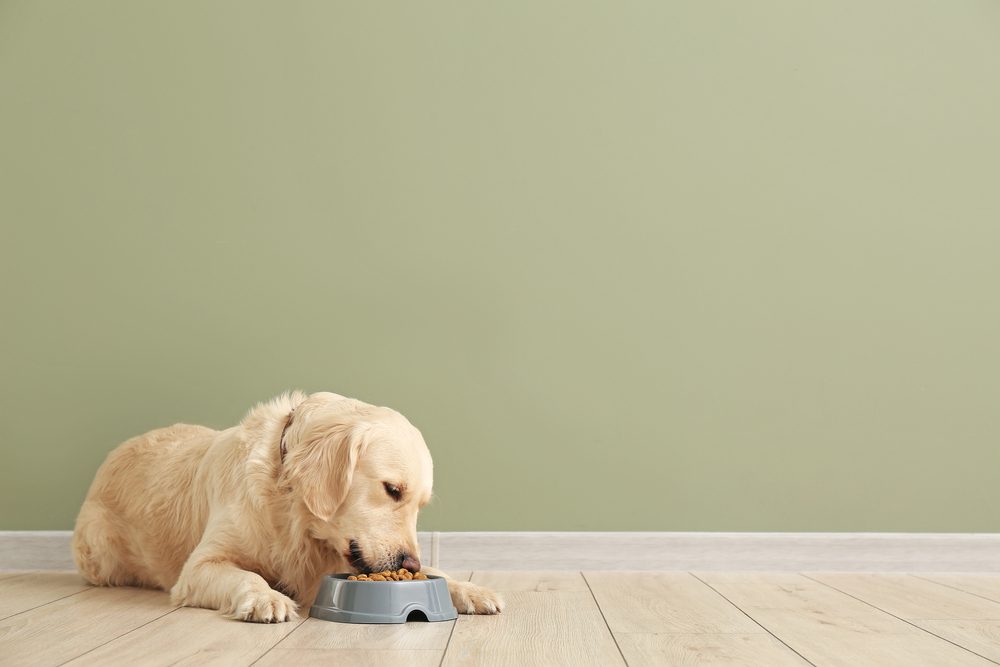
x=389, y=575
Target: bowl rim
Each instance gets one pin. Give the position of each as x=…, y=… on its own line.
x=344, y=577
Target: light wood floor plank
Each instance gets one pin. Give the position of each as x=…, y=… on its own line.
x=317, y=634
x=190, y=637
x=671, y=618
x=552, y=627
x=982, y=637
x=706, y=650
x=984, y=585
x=831, y=628
x=786, y=592
x=664, y=602
x=67, y=628
x=300, y=657
x=910, y=597
x=22, y=591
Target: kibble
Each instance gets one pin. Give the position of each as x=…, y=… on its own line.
x=389, y=575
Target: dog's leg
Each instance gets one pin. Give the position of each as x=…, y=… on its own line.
x=469, y=598
x=213, y=582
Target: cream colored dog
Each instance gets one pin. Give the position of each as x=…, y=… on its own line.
x=249, y=519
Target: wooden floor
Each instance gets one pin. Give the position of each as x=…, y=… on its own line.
x=552, y=618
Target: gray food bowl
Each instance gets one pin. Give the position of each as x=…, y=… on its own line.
x=347, y=601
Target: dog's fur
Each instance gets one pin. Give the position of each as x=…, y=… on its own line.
x=249, y=519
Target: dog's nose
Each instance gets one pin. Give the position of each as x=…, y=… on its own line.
x=411, y=563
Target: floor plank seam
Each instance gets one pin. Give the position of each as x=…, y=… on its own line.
x=758, y=623
x=277, y=643
x=956, y=588
x=605, y=619
x=933, y=634
x=444, y=653
x=85, y=590
x=116, y=638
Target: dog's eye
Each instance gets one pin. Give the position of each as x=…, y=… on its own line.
x=394, y=491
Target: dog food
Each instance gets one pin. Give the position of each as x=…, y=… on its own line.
x=388, y=575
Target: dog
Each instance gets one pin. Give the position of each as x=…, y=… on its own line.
x=248, y=520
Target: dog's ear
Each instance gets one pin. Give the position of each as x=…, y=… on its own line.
x=320, y=466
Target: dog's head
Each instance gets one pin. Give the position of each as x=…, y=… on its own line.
x=360, y=474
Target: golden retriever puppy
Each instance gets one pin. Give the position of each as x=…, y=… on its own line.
x=249, y=519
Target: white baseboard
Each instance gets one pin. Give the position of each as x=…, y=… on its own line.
x=858, y=552
x=36, y=550
x=789, y=552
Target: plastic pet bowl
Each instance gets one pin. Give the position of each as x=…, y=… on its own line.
x=345, y=601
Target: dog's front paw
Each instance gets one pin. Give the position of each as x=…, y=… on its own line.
x=469, y=598
x=264, y=606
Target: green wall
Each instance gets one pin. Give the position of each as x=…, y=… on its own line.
x=631, y=265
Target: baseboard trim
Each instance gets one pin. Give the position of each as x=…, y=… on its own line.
x=36, y=550
x=783, y=552
x=857, y=552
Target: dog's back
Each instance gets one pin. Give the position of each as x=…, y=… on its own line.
x=140, y=500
